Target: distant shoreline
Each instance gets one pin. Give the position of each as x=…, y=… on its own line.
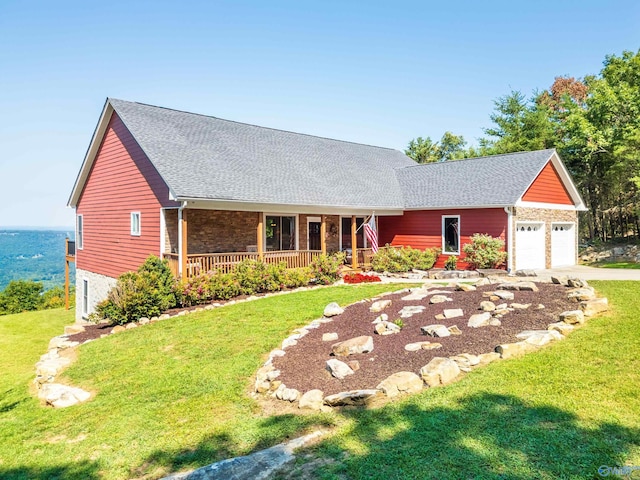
x=42, y=229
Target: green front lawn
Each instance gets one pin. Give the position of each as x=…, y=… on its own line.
x=170, y=396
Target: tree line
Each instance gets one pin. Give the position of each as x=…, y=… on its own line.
x=593, y=123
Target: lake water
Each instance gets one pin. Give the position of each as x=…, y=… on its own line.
x=34, y=255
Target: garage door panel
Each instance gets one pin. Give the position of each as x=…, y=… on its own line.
x=530, y=246
x=563, y=244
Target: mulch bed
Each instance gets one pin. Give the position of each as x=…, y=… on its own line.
x=304, y=365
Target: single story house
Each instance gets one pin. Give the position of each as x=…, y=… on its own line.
x=206, y=193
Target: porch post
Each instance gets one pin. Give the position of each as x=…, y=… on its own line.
x=183, y=247
x=259, y=239
x=354, y=244
x=323, y=234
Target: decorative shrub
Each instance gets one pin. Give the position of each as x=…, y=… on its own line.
x=325, y=268
x=145, y=293
x=451, y=263
x=194, y=291
x=360, y=278
x=484, y=251
x=297, y=277
x=404, y=259
x=224, y=286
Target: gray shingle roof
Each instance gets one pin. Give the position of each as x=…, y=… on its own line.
x=498, y=180
x=201, y=157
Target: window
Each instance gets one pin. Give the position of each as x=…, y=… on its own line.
x=85, y=297
x=451, y=235
x=135, y=223
x=79, y=231
x=280, y=232
x=346, y=233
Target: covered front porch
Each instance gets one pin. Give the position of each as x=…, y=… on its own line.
x=196, y=241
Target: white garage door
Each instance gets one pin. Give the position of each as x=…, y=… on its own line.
x=530, y=251
x=563, y=244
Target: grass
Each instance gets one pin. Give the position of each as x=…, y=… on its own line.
x=631, y=265
x=562, y=412
x=169, y=396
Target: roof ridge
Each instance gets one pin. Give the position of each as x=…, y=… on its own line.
x=476, y=158
x=255, y=126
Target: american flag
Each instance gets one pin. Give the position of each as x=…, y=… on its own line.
x=371, y=233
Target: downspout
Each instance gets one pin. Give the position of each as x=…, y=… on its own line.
x=509, y=212
x=180, y=246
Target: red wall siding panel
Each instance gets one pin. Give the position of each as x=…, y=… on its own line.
x=122, y=180
x=423, y=229
x=548, y=188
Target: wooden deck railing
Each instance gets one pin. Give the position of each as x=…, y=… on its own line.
x=226, y=262
x=364, y=257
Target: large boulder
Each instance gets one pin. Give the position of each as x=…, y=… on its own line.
x=594, y=306
x=399, y=383
x=519, y=286
x=581, y=294
x=332, y=310
x=352, y=397
x=439, y=371
x=313, y=400
x=362, y=344
x=339, y=369
x=479, y=320
x=572, y=317
x=61, y=396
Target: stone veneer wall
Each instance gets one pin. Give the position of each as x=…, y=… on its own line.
x=99, y=286
x=548, y=216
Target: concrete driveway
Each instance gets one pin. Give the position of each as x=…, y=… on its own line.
x=591, y=273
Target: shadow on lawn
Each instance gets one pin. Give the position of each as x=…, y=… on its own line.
x=481, y=436
x=216, y=447
x=81, y=470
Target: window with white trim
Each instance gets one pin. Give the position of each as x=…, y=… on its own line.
x=280, y=232
x=451, y=235
x=79, y=231
x=85, y=297
x=135, y=224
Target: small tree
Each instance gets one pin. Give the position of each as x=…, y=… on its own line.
x=484, y=251
x=21, y=296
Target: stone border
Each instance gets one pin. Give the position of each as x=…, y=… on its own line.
x=440, y=370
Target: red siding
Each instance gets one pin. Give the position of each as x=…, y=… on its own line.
x=122, y=180
x=548, y=188
x=423, y=229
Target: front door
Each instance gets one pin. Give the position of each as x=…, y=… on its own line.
x=314, y=236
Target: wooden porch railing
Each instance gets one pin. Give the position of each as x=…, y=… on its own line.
x=364, y=257
x=226, y=262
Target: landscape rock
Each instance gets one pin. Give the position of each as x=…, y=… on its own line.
x=487, y=358
x=487, y=306
x=339, y=369
x=329, y=337
x=118, y=329
x=73, y=329
x=479, y=320
x=494, y=322
x=131, y=325
x=563, y=328
x=414, y=347
x=379, y=305
x=362, y=344
x=289, y=342
x=577, y=282
x=440, y=299
x=352, y=397
x=454, y=330
x=61, y=396
x=333, y=309
x=525, y=273
x=519, y=286
x=581, y=294
x=436, y=330
x=572, y=317
x=416, y=295
x=509, y=350
x=381, y=318
x=465, y=287
x=520, y=306
x=594, y=306
x=452, y=313
x=387, y=328
x=400, y=383
x=411, y=310
x=313, y=400
x=164, y=316
x=465, y=361
x=560, y=280
x=504, y=295
x=439, y=371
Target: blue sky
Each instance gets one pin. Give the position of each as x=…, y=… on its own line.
x=376, y=73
